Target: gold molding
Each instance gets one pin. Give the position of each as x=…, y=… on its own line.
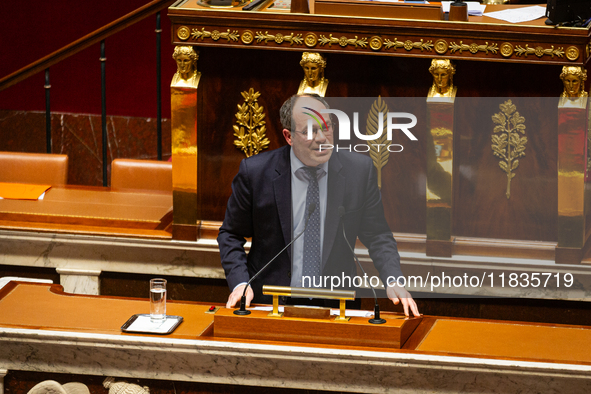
x=343, y=41
x=378, y=148
x=572, y=53
x=376, y=43
x=409, y=45
x=506, y=49
x=247, y=37
x=279, y=38
x=539, y=51
x=508, y=145
x=441, y=46
x=311, y=40
x=183, y=33
x=215, y=35
x=250, y=129
x=473, y=48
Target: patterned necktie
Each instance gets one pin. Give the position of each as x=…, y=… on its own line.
x=312, y=258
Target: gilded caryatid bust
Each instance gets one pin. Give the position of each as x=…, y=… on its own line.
x=186, y=63
x=313, y=64
x=442, y=71
x=573, y=78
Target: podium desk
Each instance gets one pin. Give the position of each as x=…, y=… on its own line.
x=43, y=329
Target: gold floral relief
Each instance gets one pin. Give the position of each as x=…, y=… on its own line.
x=343, y=41
x=378, y=148
x=539, y=51
x=473, y=48
x=250, y=128
x=508, y=140
x=279, y=38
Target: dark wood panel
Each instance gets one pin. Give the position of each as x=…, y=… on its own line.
x=225, y=74
x=481, y=208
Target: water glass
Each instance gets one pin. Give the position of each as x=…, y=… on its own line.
x=157, y=300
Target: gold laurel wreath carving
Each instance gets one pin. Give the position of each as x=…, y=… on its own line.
x=215, y=35
x=343, y=41
x=409, y=45
x=279, y=38
x=250, y=130
x=508, y=144
x=473, y=48
x=539, y=51
x=378, y=148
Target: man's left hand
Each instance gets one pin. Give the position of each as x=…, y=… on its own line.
x=399, y=294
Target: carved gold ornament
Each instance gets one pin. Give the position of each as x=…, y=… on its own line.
x=311, y=40
x=409, y=45
x=215, y=35
x=183, y=33
x=378, y=148
x=441, y=132
x=506, y=49
x=441, y=46
x=247, y=37
x=250, y=130
x=572, y=53
x=539, y=51
x=507, y=143
x=375, y=43
x=473, y=48
x=279, y=38
x=343, y=41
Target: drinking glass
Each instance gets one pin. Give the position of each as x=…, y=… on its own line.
x=157, y=300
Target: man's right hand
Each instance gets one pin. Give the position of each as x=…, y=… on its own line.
x=236, y=295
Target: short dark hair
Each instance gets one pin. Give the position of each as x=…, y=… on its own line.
x=286, y=110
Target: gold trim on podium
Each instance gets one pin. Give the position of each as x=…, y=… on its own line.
x=301, y=292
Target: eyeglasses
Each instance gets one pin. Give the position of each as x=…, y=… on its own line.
x=315, y=130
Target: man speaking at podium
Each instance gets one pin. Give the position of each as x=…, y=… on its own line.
x=279, y=194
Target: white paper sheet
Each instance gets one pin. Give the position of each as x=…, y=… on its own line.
x=516, y=15
x=144, y=324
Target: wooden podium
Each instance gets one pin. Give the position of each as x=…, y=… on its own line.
x=44, y=330
x=355, y=332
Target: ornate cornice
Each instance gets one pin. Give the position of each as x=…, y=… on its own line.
x=484, y=49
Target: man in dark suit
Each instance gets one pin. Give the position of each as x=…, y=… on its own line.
x=270, y=200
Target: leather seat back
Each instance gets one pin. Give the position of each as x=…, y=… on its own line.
x=129, y=174
x=38, y=168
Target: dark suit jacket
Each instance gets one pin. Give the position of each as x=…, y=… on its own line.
x=260, y=207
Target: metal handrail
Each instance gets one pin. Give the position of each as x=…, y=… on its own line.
x=84, y=42
x=96, y=36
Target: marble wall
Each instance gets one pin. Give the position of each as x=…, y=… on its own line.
x=80, y=137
